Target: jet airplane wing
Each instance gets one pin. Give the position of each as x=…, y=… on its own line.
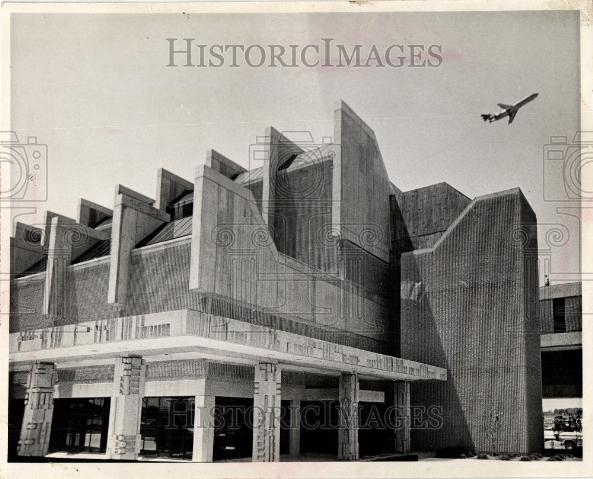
x=512, y=114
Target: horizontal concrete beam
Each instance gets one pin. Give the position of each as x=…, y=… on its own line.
x=561, y=341
x=331, y=394
x=186, y=329
x=562, y=290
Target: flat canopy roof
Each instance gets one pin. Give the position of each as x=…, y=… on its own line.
x=189, y=333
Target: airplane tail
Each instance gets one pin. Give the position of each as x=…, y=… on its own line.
x=486, y=117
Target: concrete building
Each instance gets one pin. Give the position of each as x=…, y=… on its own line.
x=561, y=340
x=300, y=298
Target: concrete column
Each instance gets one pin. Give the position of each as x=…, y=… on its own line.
x=59, y=255
x=134, y=218
x=126, y=407
x=66, y=239
x=348, y=418
x=203, y=448
x=401, y=401
x=294, y=437
x=266, y=413
x=39, y=408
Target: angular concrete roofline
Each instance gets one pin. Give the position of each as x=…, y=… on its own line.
x=512, y=191
x=168, y=187
x=120, y=189
x=221, y=163
x=22, y=227
x=273, y=134
x=432, y=186
x=95, y=206
x=342, y=105
x=164, y=173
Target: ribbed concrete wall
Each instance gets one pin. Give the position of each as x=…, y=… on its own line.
x=302, y=214
x=368, y=272
x=418, y=219
x=422, y=215
x=469, y=306
x=85, y=296
x=159, y=281
x=26, y=299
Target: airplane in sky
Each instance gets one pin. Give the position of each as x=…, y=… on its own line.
x=509, y=110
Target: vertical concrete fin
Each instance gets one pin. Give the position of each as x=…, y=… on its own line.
x=26, y=247
x=62, y=236
x=134, y=218
x=203, y=248
x=168, y=187
x=65, y=240
x=361, y=186
x=91, y=214
x=223, y=165
x=226, y=220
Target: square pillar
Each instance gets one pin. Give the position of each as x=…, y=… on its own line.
x=39, y=409
x=124, y=440
x=348, y=418
x=294, y=436
x=266, y=413
x=203, y=448
x=401, y=401
x=134, y=217
x=59, y=256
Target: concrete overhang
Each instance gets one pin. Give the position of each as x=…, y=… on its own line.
x=187, y=332
x=561, y=341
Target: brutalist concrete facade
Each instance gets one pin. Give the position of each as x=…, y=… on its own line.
x=469, y=303
x=308, y=277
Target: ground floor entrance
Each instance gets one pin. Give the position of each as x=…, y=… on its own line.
x=166, y=427
x=80, y=425
x=208, y=390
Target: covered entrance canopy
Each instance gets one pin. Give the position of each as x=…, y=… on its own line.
x=176, y=348
x=184, y=332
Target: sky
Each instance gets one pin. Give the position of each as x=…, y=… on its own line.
x=96, y=90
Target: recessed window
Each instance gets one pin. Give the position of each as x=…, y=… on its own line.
x=559, y=307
